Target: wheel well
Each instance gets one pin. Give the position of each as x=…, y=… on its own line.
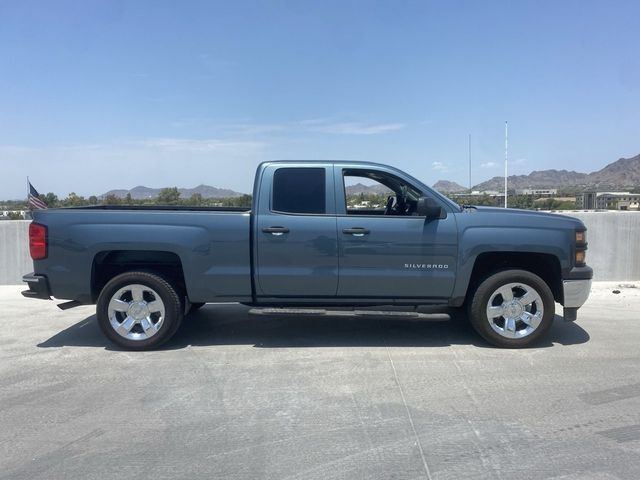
x=107, y=265
x=544, y=265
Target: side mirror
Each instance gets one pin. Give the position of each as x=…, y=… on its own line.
x=428, y=207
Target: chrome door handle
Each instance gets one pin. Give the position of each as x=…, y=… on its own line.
x=276, y=231
x=356, y=231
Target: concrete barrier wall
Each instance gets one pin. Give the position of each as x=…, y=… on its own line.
x=14, y=251
x=614, y=243
x=614, y=246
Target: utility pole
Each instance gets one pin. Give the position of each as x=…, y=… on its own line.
x=506, y=160
x=469, y=163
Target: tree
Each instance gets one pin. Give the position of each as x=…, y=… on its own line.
x=74, y=200
x=169, y=196
x=51, y=199
x=244, y=201
x=111, y=199
x=128, y=200
x=241, y=201
x=93, y=200
x=521, y=201
x=196, y=200
x=15, y=216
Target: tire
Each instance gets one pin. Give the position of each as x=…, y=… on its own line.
x=514, y=322
x=139, y=310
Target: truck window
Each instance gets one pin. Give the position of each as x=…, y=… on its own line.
x=299, y=190
x=371, y=192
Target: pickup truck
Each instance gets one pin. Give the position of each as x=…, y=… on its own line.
x=302, y=246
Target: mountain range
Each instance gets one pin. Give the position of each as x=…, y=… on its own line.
x=621, y=174
x=359, y=188
x=448, y=186
x=207, y=191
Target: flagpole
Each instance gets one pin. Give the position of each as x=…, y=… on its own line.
x=506, y=160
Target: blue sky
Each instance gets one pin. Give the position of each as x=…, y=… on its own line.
x=97, y=95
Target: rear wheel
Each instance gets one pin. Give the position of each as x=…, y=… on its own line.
x=512, y=308
x=139, y=310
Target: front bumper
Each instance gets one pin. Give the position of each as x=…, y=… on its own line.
x=576, y=292
x=576, y=286
x=38, y=286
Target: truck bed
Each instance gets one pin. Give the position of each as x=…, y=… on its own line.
x=211, y=245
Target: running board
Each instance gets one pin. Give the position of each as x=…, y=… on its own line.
x=320, y=312
x=68, y=305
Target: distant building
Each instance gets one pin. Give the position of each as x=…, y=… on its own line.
x=6, y=214
x=496, y=197
x=490, y=193
x=558, y=199
x=541, y=192
x=608, y=201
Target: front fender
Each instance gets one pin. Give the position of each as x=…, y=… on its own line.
x=477, y=240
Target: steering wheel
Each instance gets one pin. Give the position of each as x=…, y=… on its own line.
x=389, y=208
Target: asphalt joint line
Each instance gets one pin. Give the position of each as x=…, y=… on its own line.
x=406, y=407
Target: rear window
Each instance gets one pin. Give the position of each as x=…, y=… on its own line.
x=299, y=190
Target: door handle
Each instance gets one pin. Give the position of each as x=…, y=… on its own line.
x=356, y=231
x=277, y=231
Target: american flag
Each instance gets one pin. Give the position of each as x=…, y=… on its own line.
x=34, y=199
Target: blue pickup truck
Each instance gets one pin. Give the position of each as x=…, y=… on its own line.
x=302, y=246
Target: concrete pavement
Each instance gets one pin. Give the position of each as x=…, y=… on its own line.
x=239, y=396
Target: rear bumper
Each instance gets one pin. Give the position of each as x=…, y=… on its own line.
x=38, y=286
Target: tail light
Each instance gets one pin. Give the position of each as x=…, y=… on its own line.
x=37, y=241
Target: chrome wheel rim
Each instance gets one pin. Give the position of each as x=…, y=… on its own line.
x=515, y=310
x=136, y=312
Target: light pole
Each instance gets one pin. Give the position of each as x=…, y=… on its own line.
x=506, y=160
x=469, y=163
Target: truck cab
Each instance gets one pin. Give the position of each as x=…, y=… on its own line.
x=310, y=244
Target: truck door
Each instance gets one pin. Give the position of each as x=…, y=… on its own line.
x=295, y=232
x=385, y=249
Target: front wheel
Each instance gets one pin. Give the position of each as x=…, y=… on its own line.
x=139, y=310
x=512, y=308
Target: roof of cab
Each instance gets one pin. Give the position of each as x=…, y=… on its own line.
x=325, y=162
